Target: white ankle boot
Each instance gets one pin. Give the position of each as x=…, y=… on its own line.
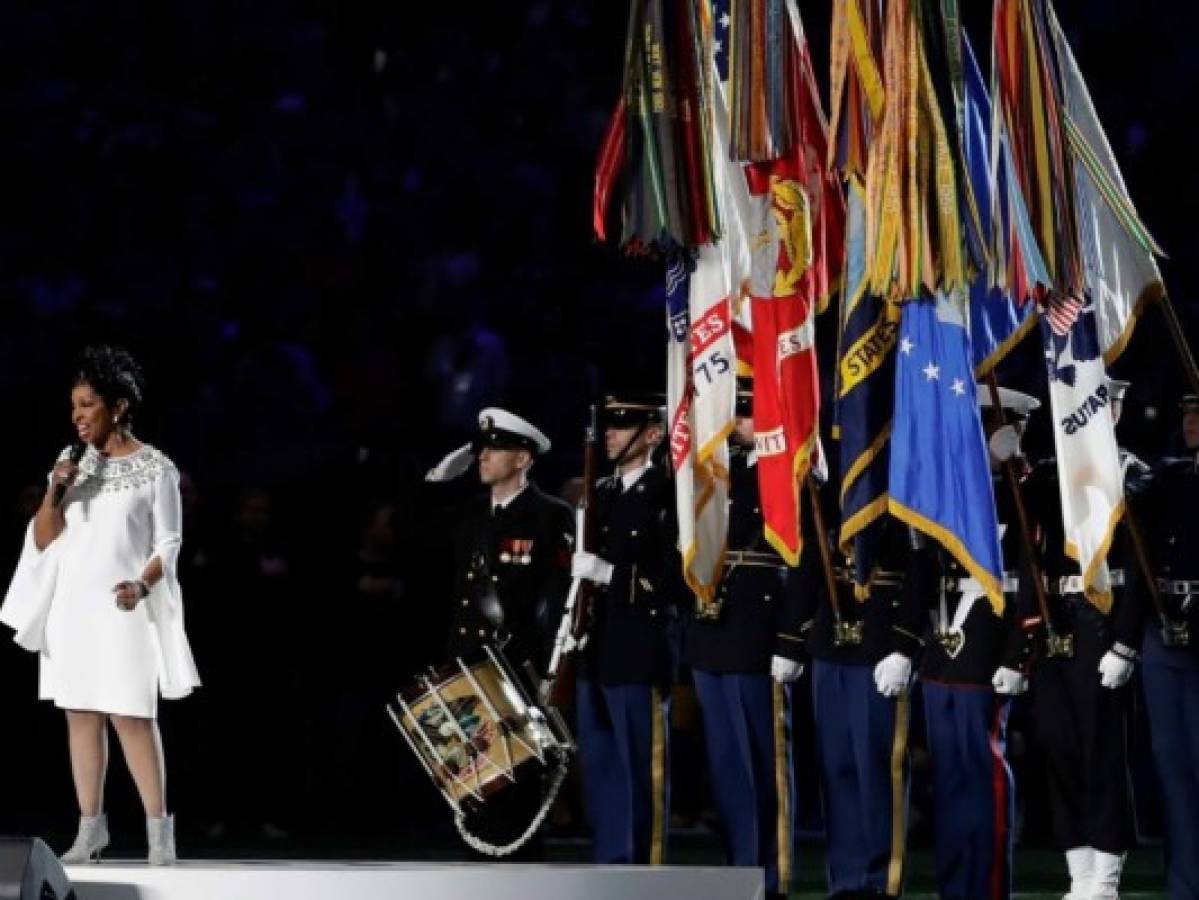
x=1105, y=885
x=1081, y=862
x=160, y=836
x=89, y=842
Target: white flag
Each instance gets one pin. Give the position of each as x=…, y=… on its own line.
x=1118, y=251
x=1088, y=458
x=701, y=380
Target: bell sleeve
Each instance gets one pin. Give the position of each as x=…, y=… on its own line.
x=27, y=603
x=164, y=604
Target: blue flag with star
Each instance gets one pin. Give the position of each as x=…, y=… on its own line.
x=940, y=477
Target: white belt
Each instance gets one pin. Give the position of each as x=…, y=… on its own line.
x=1074, y=584
x=1071, y=584
x=1010, y=585
x=1178, y=588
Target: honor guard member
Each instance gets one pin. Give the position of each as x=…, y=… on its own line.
x=629, y=661
x=744, y=652
x=512, y=559
x=864, y=647
x=975, y=659
x=1170, y=671
x=1081, y=704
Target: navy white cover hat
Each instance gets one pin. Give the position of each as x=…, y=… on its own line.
x=506, y=431
x=498, y=428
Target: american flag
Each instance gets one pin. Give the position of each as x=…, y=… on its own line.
x=1061, y=311
x=720, y=35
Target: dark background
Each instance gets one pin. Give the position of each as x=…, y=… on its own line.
x=331, y=232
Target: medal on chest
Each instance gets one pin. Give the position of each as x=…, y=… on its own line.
x=516, y=552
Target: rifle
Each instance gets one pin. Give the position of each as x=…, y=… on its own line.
x=559, y=686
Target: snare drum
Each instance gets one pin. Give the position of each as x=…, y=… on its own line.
x=475, y=729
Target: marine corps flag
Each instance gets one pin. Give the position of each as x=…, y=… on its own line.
x=796, y=236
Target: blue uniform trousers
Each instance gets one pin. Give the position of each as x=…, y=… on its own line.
x=747, y=731
x=1172, y=701
x=624, y=752
x=862, y=744
x=973, y=803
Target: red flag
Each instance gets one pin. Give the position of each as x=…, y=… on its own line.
x=797, y=241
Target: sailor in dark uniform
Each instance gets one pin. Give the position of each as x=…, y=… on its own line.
x=975, y=659
x=1168, y=514
x=1081, y=704
x=630, y=657
x=512, y=565
x=744, y=653
x=863, y=652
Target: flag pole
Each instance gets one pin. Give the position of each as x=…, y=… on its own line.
x=1185, y=357
x=1057, y=645
x=841, y=635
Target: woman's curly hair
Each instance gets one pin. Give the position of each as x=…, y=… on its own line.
x=113, y=374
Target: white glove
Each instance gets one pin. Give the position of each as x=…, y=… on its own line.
x=591, y=567
x=1116, y=668
x=784, y=670
x=452, y=464
x=1009, y=682
x=891, y=675
x=1004, y=443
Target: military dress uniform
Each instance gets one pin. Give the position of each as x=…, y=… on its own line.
x=627, y=667
x=746, y=714
x=512, y=569
x=966, y=719
x=1170, y=672
x=1081, y=724
x=512, y=572
x=861, y=735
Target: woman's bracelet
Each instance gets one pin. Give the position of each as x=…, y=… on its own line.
x=143, y=589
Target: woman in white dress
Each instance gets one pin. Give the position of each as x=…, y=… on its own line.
x=96, y=595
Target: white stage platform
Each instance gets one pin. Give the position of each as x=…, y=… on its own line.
x=409, y=881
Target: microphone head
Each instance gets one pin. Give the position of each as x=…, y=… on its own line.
x=78, y=448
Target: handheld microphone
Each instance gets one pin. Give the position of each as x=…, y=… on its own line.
x=78, y=448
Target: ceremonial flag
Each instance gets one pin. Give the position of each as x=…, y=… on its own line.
x=996, y=323
x=657, y=154
x=1117, y=249
x=940, y=477
x=865, y=386
x=856, y=96
x=1046, y=133
x=922, y=230
x=1027, y=96
x=1088, y=458
x=796, y=236
x=869, y=324
x=702, y=378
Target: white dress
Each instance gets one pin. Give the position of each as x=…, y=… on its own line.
x=121, y=512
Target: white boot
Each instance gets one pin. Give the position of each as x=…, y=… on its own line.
x=1106, y=883
x=89, y=842
x=1081, y=862
x=160, y=835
